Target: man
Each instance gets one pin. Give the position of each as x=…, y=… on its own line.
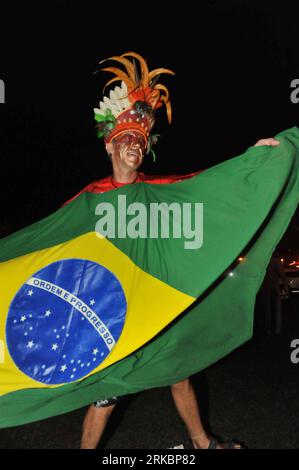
x=127, y=153
x=125, y=120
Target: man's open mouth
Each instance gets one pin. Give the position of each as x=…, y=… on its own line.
x=133, y=154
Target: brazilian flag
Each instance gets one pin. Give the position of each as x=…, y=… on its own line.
x=93, y=306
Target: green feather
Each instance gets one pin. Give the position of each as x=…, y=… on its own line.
x=153, y=139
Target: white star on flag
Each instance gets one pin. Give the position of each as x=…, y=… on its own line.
x=92, y=302
x=63, y=368
x=30, y=292
x=23, y=318
x=95, y=351
x=48, y=313
x=30, y=344
x=54, y=347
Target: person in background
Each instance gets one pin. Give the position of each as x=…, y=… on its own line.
x=270, y=295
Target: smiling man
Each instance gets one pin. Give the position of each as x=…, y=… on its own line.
x=125, y=121
x=126, y=151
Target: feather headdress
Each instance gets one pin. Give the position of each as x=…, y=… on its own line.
x=131, y=105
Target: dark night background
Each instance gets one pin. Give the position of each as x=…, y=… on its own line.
x=234, y=63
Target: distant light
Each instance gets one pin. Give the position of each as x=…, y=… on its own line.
x=240, y=259
x=282, y=260
x=231, y=274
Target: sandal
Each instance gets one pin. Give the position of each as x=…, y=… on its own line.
x=214, y=442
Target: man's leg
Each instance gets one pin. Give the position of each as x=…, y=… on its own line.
x=95, y=422
x=187, y=407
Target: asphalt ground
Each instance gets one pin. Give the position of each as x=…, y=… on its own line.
x=251, y=395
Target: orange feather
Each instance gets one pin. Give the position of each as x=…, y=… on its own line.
x=144, y=68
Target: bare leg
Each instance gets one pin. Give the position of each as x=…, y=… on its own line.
x=187, y=407
x=94, y=425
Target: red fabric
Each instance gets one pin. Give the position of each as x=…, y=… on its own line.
x=105, y=184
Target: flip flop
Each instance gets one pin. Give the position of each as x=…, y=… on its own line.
x=214, y=442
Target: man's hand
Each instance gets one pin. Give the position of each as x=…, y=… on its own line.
x=272, y=142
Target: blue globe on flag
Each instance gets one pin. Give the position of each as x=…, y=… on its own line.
x=65, y=320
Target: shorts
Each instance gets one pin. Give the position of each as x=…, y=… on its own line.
x=106, y=402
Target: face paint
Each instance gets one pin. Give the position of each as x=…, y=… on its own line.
x=130, y=138
x=130, y=148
